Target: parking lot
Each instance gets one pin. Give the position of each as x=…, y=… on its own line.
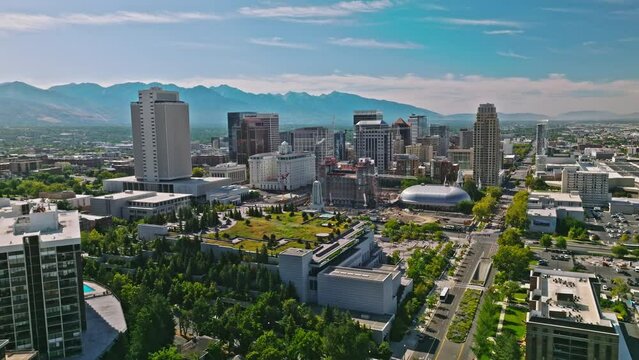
x=613, y=225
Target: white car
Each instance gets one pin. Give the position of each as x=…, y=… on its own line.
x=604, y=287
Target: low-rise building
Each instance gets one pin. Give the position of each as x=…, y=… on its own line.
x=234, y=171
x=132, y=204
x=197, y=188
x=546, y=208
x=349, y=185
x=231, y=194
x=565, y=320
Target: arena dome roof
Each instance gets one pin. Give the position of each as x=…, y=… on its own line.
x=441, y=196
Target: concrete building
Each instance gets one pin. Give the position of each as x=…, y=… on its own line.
x=234, y=171
x=462, y=157
x=316, y=140
x=196, y=187
x=402, y=133
x=541, y=137
x=465, y=138
x=507, y=146
x=283, y=170
x=443, y=170
x=41, y=293
x=231, y=194
x=257, y=134
x=406, y=165
x=133, y=205
x=161, y=136
x=545, y=209
x=373, y=140
x=591, y=185
x=565, y=320
x=352, y=186
x=443, y=133
x=487, y=146
x=416, y=123
x=423, y=152
x=626, y=206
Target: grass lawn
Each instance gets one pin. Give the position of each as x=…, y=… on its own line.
x=515, y=321
x=252, y=245
x=520, y=298
x=287, y=227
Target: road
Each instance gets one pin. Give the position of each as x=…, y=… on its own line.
x=434, y=345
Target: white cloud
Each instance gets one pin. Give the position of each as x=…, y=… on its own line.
x=340, y=9
x=35, y=22
x=566, y=10
x=477, y=22
x=503, y=32
x=628, y=39
x=373, y=43
x=589, y=43
x=434, y=7
x=278, y=42
x=512, y=54
x=450, y=93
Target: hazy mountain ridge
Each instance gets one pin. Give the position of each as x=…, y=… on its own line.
x=92, y=104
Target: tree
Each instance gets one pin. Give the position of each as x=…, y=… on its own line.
x=513, y=261
x=305, y=345
x=619, y=287
x=508, y=289
x=465, y=207
x=619, y=251
x=471, y=188
x=516, y=215
x=510, y=237
x=508, y=348
x=394, y=258
x=215, y=351
x=545, y=241
x=561, y=242
x=198, y=172
x=494, y=191
x=624, y=238
x=169, y=353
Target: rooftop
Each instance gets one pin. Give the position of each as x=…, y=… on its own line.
x=50, y=226
x=565, y=296
x=542, y=212
x=160, y=197
x=357, y=274
x=557, y=196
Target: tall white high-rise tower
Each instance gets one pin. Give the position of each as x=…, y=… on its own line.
x=487, y=146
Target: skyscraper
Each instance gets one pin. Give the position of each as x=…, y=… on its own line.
x=234, y=120
x=257, y=134
x=487, y=146
x=402, y=131
x=373, y=140
x=316, y=139
x=340, y=145
x=465, y=138
x=444, y=140
x=41, y=297
x=416, y=123
x=161, y=136
x=361, y=115
x=541, y=140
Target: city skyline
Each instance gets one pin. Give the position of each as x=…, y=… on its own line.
x=528, y=57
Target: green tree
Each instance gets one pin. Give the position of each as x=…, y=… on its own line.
x=198, y=172
x=508, y=289
x=561, y=242
x=619, y=251
x=305, y=345
x=513, y=261
x=394, y=258
x=508, y=348
x=510, y=237
x=169, y=353
x=619, y=287
x=465, y=207
x=546, y=240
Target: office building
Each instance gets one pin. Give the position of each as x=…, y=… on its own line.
x=423, y=152
x=402, y=132
x=367, y=115
x=234, y=120
x=444, y=138
x=373, y=140
x=465, y=139
x=442, y=170
x=406, y=165
x=234, y=171
x=134, y=205
x=283, y=170
x=417, y=123
x=565, y=320
x=591, y=185
x=507, y=147
x=316, y=140
x=346, y=185
x=461, y=157
x=541, y=138
x=161, y=136
x=486, y=146
x=340, y=145
x=41, y=294
x=257, y=134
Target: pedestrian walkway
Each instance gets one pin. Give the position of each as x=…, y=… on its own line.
x=502, y=316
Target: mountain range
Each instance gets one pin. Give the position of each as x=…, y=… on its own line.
x=74, y=104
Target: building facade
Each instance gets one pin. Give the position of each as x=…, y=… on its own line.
x=316, y=140
x=541, y=138
x=257, y=134
x=161, y=136
x=367, y=115
x=591, y=185
x=465, y=138
x=461, y=157
x=234, y=171
x=234, y=121
x=283, y=170
x=444, y=138
x=41, y=294
x=373, y=140
x=487, y=146
x=349, y=185
x=417, y=123
x=340, y=145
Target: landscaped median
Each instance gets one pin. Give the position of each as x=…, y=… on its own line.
x=463, y=319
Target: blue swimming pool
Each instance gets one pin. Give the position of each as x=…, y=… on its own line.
x=88, y=289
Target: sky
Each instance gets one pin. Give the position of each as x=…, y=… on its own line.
x=541, y=56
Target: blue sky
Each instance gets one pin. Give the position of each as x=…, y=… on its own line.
x=525, y=55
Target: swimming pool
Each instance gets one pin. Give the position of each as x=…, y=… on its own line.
x=88, y=289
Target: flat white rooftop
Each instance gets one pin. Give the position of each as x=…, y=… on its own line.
x=160, y=197
x=67, y=229
x=557, y=196
x=357, y=274
x=542, y=212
